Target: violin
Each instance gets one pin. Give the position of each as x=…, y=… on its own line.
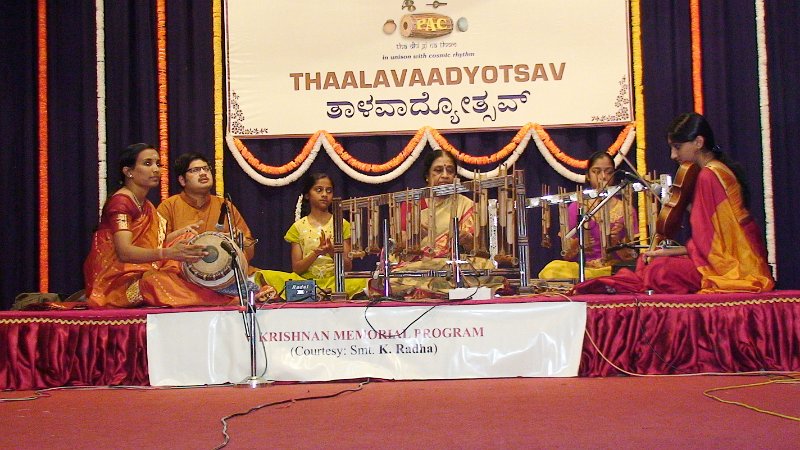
x=680, y=196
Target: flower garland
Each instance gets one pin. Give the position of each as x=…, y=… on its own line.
x=638, y=87
x=400, y=163
x=163, y=116
x=102, y=143
x=376, y=168
x=401, y=169
x=277, y=170
x=238, y=150
x=766, y=135
x=44, y=187
x=697, y=56
x=481, y=160
x=298, y=208
x=512, y=159
x=621, y=145
x=545, y=139
x=219, y=148
x=578, y=163
x=309, y=153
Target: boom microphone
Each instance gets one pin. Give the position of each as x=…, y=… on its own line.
x=631, y=176
x=223, y=211
x=655, y=188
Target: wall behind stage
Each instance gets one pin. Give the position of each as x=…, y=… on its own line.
x=731, y=93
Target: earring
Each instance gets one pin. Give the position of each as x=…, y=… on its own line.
x=130, y=175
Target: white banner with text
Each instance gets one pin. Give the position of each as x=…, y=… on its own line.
x=366, y=66
x=397, y=342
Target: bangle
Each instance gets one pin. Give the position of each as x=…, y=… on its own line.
x=160, y=253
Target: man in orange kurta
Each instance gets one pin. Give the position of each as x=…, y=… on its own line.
x=195, y=207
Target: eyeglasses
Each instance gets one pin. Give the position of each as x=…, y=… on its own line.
x=197, y=170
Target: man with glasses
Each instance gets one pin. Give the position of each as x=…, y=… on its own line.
x=195, y=209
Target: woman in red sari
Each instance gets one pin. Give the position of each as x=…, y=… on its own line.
x=725, y=252
x=128, y=264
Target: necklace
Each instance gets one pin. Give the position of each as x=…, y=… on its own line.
x=139, y=204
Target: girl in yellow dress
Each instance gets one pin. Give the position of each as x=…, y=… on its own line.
x=311, y=238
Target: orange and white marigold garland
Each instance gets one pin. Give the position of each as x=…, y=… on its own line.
x=396, y=166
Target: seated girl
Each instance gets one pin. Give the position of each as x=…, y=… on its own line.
x=311, y=238
x=725, y=252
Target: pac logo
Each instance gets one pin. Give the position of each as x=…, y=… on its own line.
x=426, y=26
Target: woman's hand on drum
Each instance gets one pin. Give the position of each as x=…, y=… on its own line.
x=184, y=251
x=192, y=229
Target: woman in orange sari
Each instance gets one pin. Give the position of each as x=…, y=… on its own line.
x=128, y=264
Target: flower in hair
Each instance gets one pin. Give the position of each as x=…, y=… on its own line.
x=298, y=208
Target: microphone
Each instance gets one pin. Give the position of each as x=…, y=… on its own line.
x=228, y=248
x=631, y=177
x=223, y=211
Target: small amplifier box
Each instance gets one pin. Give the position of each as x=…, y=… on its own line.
x=301, y=291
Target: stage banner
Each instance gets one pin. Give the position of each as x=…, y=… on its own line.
x=369, y=67
x=402, y=343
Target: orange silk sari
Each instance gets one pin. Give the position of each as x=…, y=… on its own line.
x=726, y=245
x=112, y=283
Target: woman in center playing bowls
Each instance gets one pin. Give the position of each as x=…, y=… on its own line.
x=439, y=169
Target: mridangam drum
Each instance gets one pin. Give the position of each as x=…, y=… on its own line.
x=214, y=270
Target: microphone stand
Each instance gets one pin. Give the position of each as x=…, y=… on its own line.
x=250, y=324
x=639, y=179
x=241, y=283
x=584, y=218
x=253, y=381
x=455, y=255
x=384, y=266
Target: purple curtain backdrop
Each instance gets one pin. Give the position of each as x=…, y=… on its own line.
x=731, y=94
